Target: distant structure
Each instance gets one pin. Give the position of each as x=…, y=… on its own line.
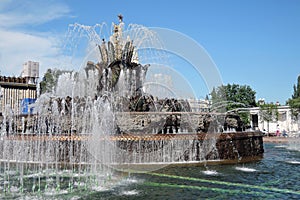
x=14, y=90
x=285, y=120
x=199, y=105
x=31, y=72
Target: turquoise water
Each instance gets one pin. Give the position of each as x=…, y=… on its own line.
x=276, y=176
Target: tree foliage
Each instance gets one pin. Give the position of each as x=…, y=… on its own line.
x=269, y=112
x=229, y=97
x=297, y=89
x=49, y=81
x=294, y=102
x=233, y=96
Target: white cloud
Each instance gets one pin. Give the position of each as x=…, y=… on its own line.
x=18, y=45
x=30, y=12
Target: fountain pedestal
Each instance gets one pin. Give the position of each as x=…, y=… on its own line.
x=160, y=148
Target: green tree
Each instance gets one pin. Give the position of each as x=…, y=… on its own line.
x=226, y=98
x=49, y=81
x=294, y=102
x=233, y=96
x=269, y=112
x=296, y=89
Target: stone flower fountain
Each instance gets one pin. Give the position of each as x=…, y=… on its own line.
x=109, y=123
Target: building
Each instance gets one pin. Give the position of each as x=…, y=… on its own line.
x=283, y=120
x=30, y=72
x=199, y=105
x=15, y=89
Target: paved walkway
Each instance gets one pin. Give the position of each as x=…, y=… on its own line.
x=277, y=139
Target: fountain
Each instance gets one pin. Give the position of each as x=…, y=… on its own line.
x=100, y=120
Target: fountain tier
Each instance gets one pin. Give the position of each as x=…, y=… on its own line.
x=135, y=149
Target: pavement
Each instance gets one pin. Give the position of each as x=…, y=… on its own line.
x=275, y=139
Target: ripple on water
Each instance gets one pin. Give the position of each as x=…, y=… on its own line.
x=75, y=198
x=293, y=148
x=210, y=172
x=293, y=162
x=53, y=192
x=100, y=188
x=245, y=169
x=130, y=192
x=280, y=146
x=130, y=180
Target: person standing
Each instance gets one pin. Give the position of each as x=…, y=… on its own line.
x=277, y=131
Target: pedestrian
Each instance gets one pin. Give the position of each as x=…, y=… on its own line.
x=277, y=131
x=284, y=134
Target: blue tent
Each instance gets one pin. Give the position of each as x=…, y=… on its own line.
x=25, y=105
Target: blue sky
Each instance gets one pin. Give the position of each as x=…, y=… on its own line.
x=256, y=43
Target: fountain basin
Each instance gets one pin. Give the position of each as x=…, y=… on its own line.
x=146, y=149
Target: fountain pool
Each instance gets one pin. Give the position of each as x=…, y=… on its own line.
x=269, y=178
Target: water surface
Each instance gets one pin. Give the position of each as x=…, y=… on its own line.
x=276, y=176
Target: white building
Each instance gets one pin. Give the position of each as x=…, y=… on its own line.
x=199, y=105
x=31, y=71
x=284, y=120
